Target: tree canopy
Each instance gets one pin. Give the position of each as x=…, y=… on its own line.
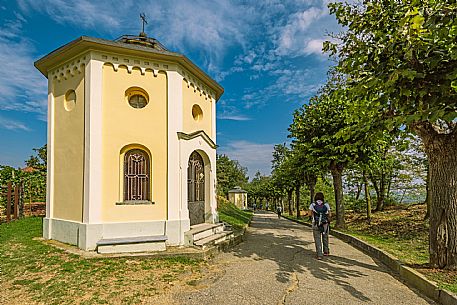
x=229, y=174
x=399, y=59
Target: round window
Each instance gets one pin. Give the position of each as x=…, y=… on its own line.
x=137, y=97
x=70, y=100
x=137, y=101
x=197, y=113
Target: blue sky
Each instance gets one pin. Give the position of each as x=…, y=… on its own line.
x=266, y=54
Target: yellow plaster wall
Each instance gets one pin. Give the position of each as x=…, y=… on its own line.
x=239, y=199
x=191, y=98
x=124, y=125
x=68, y=149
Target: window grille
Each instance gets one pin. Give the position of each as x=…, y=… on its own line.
x=136, y=176
x=196, y=178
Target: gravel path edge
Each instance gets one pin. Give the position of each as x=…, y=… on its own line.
x=407, y=274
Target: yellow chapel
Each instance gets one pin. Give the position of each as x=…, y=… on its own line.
x=131, y=144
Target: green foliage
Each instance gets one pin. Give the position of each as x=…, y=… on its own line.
x=285, y=169
x=260, y=187
x=8, y=174
x=400, y=58
x=33, y=182
x=357, y=205
x=38, y=161
x=323, y=185
x=229, y=174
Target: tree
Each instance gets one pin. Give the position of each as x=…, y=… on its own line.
x=40, y=160
x=383, y=164
x=327, y=129
x=229, y=174
x=283, y=174
x=400, y=59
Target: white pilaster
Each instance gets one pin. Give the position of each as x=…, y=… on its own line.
x=50, y=153
x=213, y=117
x=212, y=157
x=93, y=142
x=175, y=119
x=212, y=185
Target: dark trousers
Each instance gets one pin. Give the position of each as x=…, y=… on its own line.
x=321, y=239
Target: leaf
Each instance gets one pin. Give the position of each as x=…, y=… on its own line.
x=454, y=85
x=417, y=22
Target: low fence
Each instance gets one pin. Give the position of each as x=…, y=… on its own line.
x=13, y=205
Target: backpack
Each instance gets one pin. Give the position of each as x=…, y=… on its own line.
x=320, y=214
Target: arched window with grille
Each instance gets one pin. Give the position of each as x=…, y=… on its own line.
x=196, y=188
x=136, y=176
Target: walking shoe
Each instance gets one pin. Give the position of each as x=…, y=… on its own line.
x=326, y=254
x=319, y=257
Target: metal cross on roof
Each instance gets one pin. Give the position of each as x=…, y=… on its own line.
x=143, y=17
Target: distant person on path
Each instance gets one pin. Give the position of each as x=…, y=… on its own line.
x=320, y=214
x=279, y=211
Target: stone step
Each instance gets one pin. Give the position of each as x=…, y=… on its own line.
x=201, y=231
x=132, y=244
x=213, y=239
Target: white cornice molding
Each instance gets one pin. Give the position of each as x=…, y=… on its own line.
x=198, y=85
x=69, y=68
x=88, y=44
x=143, y=64
x=196, y=134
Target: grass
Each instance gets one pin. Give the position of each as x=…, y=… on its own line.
x=402, y=232
x=229, y=213
x=34, y=272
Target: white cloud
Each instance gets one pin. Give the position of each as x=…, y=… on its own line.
x=209, y=27
x=12, y=124
x=82, y=13
x=228, y=111
x=254, y=156
x=298, y=25
x=233, y=117
x=289, y=85
x=220, y=76
x=23, y=88
x=314, y=46
x=266, y=33
x=305, y=32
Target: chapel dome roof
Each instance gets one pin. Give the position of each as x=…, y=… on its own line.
x=142, y=40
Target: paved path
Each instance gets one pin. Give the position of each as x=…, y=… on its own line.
x=276, y=265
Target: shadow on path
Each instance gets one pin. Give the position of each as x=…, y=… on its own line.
x=283, y=242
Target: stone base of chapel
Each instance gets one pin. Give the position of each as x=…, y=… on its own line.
x=85, y=236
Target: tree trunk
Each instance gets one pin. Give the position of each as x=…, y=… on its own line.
x=382, y=192
x=297, y=199
x=312, y=188
x=367, y=197
x=379, y=195
x=389, y=185
x=441, y=151
x=359, y=190
x=311, y=181
x=289, y=200
x=337, y=174
x=427, y=196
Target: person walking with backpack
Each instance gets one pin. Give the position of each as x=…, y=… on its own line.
x=319, y=211
x=279, y=211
